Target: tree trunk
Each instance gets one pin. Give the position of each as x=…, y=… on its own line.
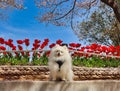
x=115, y=6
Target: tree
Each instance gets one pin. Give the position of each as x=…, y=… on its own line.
x=5, y=5
x=69, y=12
x=59, y=11
x=62, y=12
x=11, y=3
x=101, y=27
x=65, y=12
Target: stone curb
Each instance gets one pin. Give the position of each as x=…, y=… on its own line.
x=42, y=73
x=94, y=85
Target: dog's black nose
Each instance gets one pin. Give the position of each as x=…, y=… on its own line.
x=59, y=63
x=58, y=54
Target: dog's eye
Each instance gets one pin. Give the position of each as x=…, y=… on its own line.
x=61, y=51
x=57, y=50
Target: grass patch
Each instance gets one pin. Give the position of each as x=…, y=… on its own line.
x=96, y=62
x=43, y=60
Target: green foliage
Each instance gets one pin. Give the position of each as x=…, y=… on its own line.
x=100, y=27
x=96, y=62
x=43, y=60
x=9, y=59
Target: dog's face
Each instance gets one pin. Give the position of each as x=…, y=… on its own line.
x=59, y=51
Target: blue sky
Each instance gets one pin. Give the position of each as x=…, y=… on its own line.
x=21, y=24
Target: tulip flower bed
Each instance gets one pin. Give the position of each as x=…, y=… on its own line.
x=94, y=55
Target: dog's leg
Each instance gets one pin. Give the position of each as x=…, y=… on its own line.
x=63, y=77
x=53, y=76
x=70, y=76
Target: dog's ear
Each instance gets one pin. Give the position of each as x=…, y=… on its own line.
x=56, y=46
x=65, y=47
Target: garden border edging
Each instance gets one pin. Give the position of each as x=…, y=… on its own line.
x=42, y=73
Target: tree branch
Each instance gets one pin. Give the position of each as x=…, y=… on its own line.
x=68, y=11
x=6, y=3
x=114, y=6
x=56, y=5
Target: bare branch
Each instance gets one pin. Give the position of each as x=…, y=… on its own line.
x=56, y=5
x=68, y=11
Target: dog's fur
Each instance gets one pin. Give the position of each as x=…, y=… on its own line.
x=60, y=64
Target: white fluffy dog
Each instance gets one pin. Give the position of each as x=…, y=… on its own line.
x=60, y=64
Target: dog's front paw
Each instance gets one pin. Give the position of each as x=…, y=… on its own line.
x=64, y=80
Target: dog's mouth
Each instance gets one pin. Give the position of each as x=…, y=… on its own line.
x=60, y=63
x=58, y=55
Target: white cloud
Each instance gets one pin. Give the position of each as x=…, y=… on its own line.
x=7, y=35
x=38, y=32
x=15, y=29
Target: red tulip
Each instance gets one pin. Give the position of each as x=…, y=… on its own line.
x=33, y=48
x=59, y=41
x=22, y=53
x=90, y=51
x=43, y=45
x=71, y=48
x=52, y=45
x=87, y=47
x=86, y=55
x=81, y=49
x=78, y=45
x=37, y=41
x=20, y=47
x=6, y=42
x=36, y=46
x=10, y=40
x=118, y=54
x=75, y=54
x=99, y=49
x=20, y=41
x=94, y=46
x=46, y=40
x=38, y=54
x=47, y=53
x=104, y=48
x=81, y=54
x=9, y=43
x=28, y=53
x=2, y=48
x=27, y=42
x=118, y=48
x=14, y=48
x=72, y=45
x=16, y=53
x=112, y=49
x=4, y=53
x=1, y=40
